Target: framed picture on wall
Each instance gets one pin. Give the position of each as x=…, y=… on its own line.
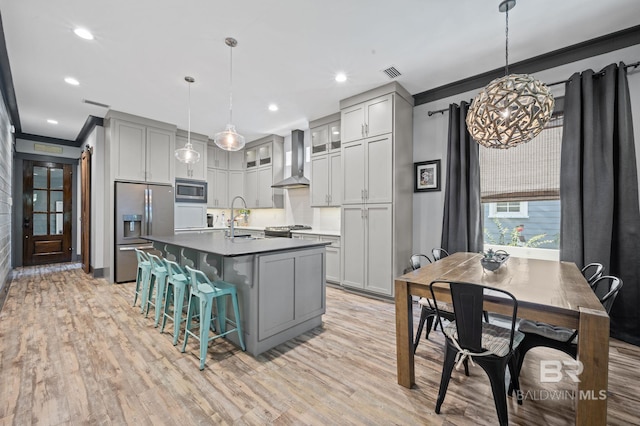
x=426, y=176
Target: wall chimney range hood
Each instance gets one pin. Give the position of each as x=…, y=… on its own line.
x=297, y=179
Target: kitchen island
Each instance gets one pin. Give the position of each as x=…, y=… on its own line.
x=280, y=281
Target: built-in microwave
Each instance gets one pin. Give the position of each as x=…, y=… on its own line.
x=191, y=191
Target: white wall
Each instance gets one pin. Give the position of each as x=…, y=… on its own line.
x=96, y=141
x=430, y=138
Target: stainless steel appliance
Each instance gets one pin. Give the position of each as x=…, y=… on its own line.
x=141, y=210
x=282, y=231
x=297, y=179
x=191, y=191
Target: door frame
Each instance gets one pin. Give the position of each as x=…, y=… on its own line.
x=17, y=230
x=85, y=208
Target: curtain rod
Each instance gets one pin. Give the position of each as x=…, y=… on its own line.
x=626, y=67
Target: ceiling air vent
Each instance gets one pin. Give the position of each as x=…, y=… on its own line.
x=392, y=72
x=87, y=101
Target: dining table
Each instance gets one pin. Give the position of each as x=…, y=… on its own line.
x=554, y=292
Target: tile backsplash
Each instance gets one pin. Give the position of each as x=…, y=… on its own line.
x=296, y=211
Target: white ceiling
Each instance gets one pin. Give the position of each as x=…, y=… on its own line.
x=288, y=53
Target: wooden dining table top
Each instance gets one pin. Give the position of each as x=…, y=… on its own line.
x=556, y=288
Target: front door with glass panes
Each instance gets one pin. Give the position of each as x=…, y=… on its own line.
x=47, y=212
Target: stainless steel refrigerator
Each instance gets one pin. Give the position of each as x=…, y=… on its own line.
x=141, y=210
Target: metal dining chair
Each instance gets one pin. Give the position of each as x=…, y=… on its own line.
x=469, y=338
x=592, y=272
x=427, y=306
x=562, y=338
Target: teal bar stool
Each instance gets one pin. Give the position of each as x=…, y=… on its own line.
x=142, y=277
x=202, y=289
x=177, y=282
x=157, y=281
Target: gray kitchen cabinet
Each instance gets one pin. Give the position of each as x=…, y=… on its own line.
x=368, y=247
x=377, y=188
x=326, y=167
x=326, y=180
x=217, y=188
x=217, y=158
x=236, y=184
x=141, y=149
x=368, y=170
x=236, y=160
x=373, y=117
x=264, y=166
x=332, y=253
x=197, y=171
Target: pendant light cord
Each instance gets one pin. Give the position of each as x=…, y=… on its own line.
x=506, y=47
x=189, y=121
x=231, y=84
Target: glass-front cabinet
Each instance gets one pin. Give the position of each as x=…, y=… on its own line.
x=325, y=138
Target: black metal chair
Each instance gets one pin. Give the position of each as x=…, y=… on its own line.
x=439, y=253
x=427, y=306
x=592, y=272
x=561, y=338
x=469, y=338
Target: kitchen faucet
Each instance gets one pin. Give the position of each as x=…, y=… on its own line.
x=233, y=216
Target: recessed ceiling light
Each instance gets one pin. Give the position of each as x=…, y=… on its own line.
x=273, y=107
x=83, y=33
x=341, y=77
x=72, y=81
x=52, y=121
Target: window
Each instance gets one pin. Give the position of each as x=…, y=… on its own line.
x=520, y=191
x=511, y=209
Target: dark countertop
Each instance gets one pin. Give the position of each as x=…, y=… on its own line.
x=211, y=243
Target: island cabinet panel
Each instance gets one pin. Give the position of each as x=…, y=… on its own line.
x=294, y=293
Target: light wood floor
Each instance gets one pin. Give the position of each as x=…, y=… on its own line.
x=74, y=351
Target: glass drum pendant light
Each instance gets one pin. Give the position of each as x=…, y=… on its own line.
x=512, y=109
x=229, y=139
x=187, y=154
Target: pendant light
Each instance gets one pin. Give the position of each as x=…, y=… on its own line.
x=229, y=139
x=187, y=154
x=512, y=109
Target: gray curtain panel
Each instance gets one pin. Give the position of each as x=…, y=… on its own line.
x=600, y=218
x=462, y=221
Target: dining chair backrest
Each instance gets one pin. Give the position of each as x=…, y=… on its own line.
x=439, y=253
x=592, y=272
x=142, y=256
x=607, y=288
x=156, y=261
x=468, y=307
x=418, y=260
x=173, y=269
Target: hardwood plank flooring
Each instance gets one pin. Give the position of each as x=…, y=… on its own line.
x=74, y=351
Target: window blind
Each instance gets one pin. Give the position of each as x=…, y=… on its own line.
x=528, y=172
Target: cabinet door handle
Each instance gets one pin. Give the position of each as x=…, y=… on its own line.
x=366, y=194
x=362, y=129
x=366, y=129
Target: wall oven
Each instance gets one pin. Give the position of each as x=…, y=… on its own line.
x=191, y=191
